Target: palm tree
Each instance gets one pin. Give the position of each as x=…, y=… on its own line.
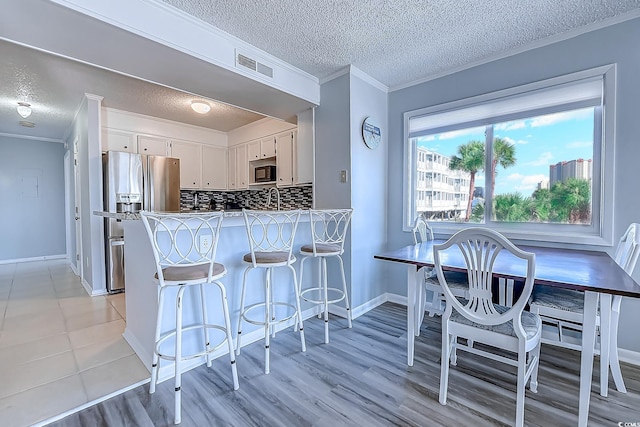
x=511, y=207
x=504, y=154
x=470, y=159
x=571, y=201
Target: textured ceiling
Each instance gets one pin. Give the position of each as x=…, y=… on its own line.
x=396, y=41
x=55, y=88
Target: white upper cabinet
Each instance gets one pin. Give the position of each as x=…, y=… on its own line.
x=113, y=140
x=242, y=167
x=152, y=145
x=267, y=147
x=214, y=168
x=232, y=156
x=261, y=149
x=190, y=155
x=253, y=150
x=284, y=158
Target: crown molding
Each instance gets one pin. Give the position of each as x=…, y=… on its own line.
x=33, y=138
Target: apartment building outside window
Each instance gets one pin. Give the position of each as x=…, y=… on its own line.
x=529, y=161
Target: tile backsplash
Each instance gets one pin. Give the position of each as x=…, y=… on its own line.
x=300, y=197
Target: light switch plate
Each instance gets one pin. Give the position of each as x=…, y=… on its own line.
x=343, y=176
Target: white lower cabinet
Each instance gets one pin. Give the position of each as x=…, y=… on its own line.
x=190, y=155
x=214, y=168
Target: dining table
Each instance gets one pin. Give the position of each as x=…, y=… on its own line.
x=593, y=272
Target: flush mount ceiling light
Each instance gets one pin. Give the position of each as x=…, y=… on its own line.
x=200, y=107
x=24, y=109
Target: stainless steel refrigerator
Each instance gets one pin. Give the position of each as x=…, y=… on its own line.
x=133, y=182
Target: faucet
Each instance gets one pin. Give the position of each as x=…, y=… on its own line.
x=272, y=190
x=196, y=204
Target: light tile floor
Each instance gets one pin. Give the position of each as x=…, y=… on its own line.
x=59, y=347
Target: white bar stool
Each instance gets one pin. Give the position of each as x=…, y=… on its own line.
x=271, y=235
x=184, y=248
x=328, y=232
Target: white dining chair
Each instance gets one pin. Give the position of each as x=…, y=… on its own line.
x=564, y=310
x=429, y=292
x=328, y=233
x=271, y=236
x=479, y=319
x=184, y=248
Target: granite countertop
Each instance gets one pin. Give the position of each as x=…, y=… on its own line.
x=122, y=216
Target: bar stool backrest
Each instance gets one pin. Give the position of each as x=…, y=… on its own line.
x=329, y=227
x=271, y=231
x=183, y=240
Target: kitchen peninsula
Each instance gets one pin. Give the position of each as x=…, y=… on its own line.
x=142, y=289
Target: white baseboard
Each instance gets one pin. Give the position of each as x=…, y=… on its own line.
x=629, y=356
x=38, y=258
x=142, y=353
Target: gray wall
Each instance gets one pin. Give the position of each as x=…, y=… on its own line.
x=32, y=192
x=346, y=101
x=86, y=128
x=368, y=193
x=614, y=44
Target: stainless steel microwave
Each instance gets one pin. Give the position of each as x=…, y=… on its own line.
x=265, y=173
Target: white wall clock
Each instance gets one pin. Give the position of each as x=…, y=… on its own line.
x=371, y=134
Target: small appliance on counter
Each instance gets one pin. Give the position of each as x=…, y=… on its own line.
x=132, y=182
x=265, y=173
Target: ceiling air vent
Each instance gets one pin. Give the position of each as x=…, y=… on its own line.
x=263, y=69
x=253, y=65
x=246, y=62
x=27, y=124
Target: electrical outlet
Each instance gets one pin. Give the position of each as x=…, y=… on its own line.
x=205, y=243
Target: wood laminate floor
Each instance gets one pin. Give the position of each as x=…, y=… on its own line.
x=361, y=379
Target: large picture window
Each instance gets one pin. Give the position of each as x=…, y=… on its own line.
x=529, y=161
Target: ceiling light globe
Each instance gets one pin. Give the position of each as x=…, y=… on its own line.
x=24, y=109
x=200, y=107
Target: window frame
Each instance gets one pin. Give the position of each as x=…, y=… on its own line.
x=600, y=232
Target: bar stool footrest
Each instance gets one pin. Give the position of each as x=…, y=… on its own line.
x=273, y=322
x=172, y=333
x=320, y=291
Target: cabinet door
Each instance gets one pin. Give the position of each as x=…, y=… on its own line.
x=113, y=140
x=303, y=148
x=190, y=156
x=253, y=150
x=242, y=167
x=152, y=146
x=284, y=158
x=214, y=168
x=232, y=166
x=267, y=147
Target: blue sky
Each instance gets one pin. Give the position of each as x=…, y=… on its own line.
x=540, y=141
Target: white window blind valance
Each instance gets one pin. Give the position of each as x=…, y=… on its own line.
x=508, y=105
